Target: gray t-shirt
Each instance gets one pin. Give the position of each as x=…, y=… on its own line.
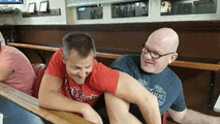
x=166, y=86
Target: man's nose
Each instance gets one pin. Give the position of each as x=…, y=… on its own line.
x=82, y=74
x=148, y=55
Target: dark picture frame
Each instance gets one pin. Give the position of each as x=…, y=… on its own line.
x=32, y=7
x=44, y=6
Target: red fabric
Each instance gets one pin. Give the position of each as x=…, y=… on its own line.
x=102, y=79
x=39, y=69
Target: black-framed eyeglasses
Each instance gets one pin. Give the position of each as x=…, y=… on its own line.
x=154, y=54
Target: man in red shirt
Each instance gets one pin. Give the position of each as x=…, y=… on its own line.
x=74, y=81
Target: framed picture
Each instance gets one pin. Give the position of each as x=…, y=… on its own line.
x=31, y=7
x=44, y=6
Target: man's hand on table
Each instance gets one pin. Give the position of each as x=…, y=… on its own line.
x=91, y=115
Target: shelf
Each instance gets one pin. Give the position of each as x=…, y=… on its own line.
x=51, y=12
x=9, y=10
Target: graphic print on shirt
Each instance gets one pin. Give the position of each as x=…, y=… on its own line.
x=79, y=95
x=157, y=91
x=76, y=93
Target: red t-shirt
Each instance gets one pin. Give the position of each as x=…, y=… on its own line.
x=101, y=79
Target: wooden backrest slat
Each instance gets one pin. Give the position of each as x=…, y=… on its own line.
x=31, y=46
x=184, y=64
x=108, y=55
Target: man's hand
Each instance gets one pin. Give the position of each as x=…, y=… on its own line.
x=90, y=114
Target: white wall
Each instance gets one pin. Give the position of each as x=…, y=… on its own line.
x=41, y=20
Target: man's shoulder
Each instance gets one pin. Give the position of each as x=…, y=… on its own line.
x=58, y=53
x=8, y=49
x=171, y=74
x=56, y=65
x=103, y=75
x=99, y=67
x=10, y=52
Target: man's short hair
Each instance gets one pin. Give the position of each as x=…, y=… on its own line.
x=83, y=43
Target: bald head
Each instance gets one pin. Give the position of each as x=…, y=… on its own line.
x=166, y=39
x=163, y=42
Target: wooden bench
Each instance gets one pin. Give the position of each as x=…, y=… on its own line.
x=29, y=109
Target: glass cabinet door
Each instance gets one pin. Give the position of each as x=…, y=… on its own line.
x=129, y=9
x=136, y=11
x=90, y=12
x=182, y=7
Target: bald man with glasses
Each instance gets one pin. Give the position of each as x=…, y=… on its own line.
x=151, y=70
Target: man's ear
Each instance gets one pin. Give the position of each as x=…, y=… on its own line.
x=64, y=59
x=173, y=57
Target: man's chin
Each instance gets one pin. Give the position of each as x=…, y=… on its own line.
x=79, y=83
x=148, y=70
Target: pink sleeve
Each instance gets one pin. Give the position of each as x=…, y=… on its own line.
x=56, y=67
x=8, y=60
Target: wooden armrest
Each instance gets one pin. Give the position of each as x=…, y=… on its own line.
x=31, y=104
x=196, y=65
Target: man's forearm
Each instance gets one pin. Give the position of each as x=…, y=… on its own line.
x=118, y=111
x=126, y=118
x=57, y=101
x=194, y=117
x=132, y=91
x=151, y=111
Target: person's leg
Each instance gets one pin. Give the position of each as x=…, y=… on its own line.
x=101, y=109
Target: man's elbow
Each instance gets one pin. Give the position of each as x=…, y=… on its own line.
x=152, y=99
x=42, y=102
x=113, y=121
x=115, y=118
x=178, y=119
